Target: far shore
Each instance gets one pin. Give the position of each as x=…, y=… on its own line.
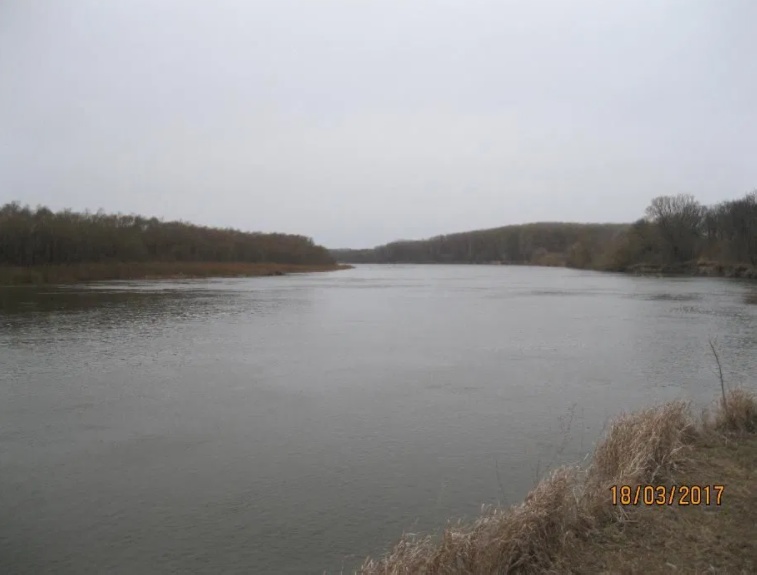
x=698, y=269
x=89, y=272
x=688, y=269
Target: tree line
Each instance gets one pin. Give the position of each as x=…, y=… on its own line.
x=36, y=237
x=676, y=230
x=538, y=244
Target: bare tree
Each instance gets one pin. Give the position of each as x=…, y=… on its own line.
x=680, y=220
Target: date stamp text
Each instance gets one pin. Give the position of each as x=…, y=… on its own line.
x=667, y=494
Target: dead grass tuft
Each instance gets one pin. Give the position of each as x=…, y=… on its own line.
x=739, y=415
x=520, y=539
x=644, y=446
x=569, y=515
x=569, y=504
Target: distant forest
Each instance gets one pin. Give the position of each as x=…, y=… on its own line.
x=676, y=231
x=41, y=237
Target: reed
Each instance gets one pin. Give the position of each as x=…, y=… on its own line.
x=573, y=502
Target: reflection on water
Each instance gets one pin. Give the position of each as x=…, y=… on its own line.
x=672, y=297
x=68, y=306
x=122, y=310
x=296, y=424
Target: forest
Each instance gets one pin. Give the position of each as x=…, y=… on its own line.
x=40, y=238
x=676, y=234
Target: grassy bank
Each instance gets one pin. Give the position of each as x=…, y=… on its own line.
x=59, y=274
x=569, y=524
x=704, y=268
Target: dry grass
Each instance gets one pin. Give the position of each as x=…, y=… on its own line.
x=556, y=523
x=642, y=446
x=499, y=541
x=740, y=417
x=550, y=260
x=683, y=539
x=60, y=274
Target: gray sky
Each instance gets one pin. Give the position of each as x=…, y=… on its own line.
x=358, y=122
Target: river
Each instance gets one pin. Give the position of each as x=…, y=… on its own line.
x=296, y=424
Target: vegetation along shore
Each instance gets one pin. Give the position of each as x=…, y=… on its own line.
x=665, y=492
x=677, y=235
x=41, y=246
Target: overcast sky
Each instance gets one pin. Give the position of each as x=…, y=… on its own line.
x=358, y=122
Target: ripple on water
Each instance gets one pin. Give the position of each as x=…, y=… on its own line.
x=298, y=423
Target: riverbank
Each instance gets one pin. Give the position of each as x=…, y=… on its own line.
x=700, y=268
x=62, y=274
x=697, y=269
x=570, y=524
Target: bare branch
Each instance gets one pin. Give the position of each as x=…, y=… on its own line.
x=720, y=371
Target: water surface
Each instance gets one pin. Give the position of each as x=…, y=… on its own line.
x=296, y=424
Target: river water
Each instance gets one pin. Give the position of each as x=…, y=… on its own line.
x=296, y=424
